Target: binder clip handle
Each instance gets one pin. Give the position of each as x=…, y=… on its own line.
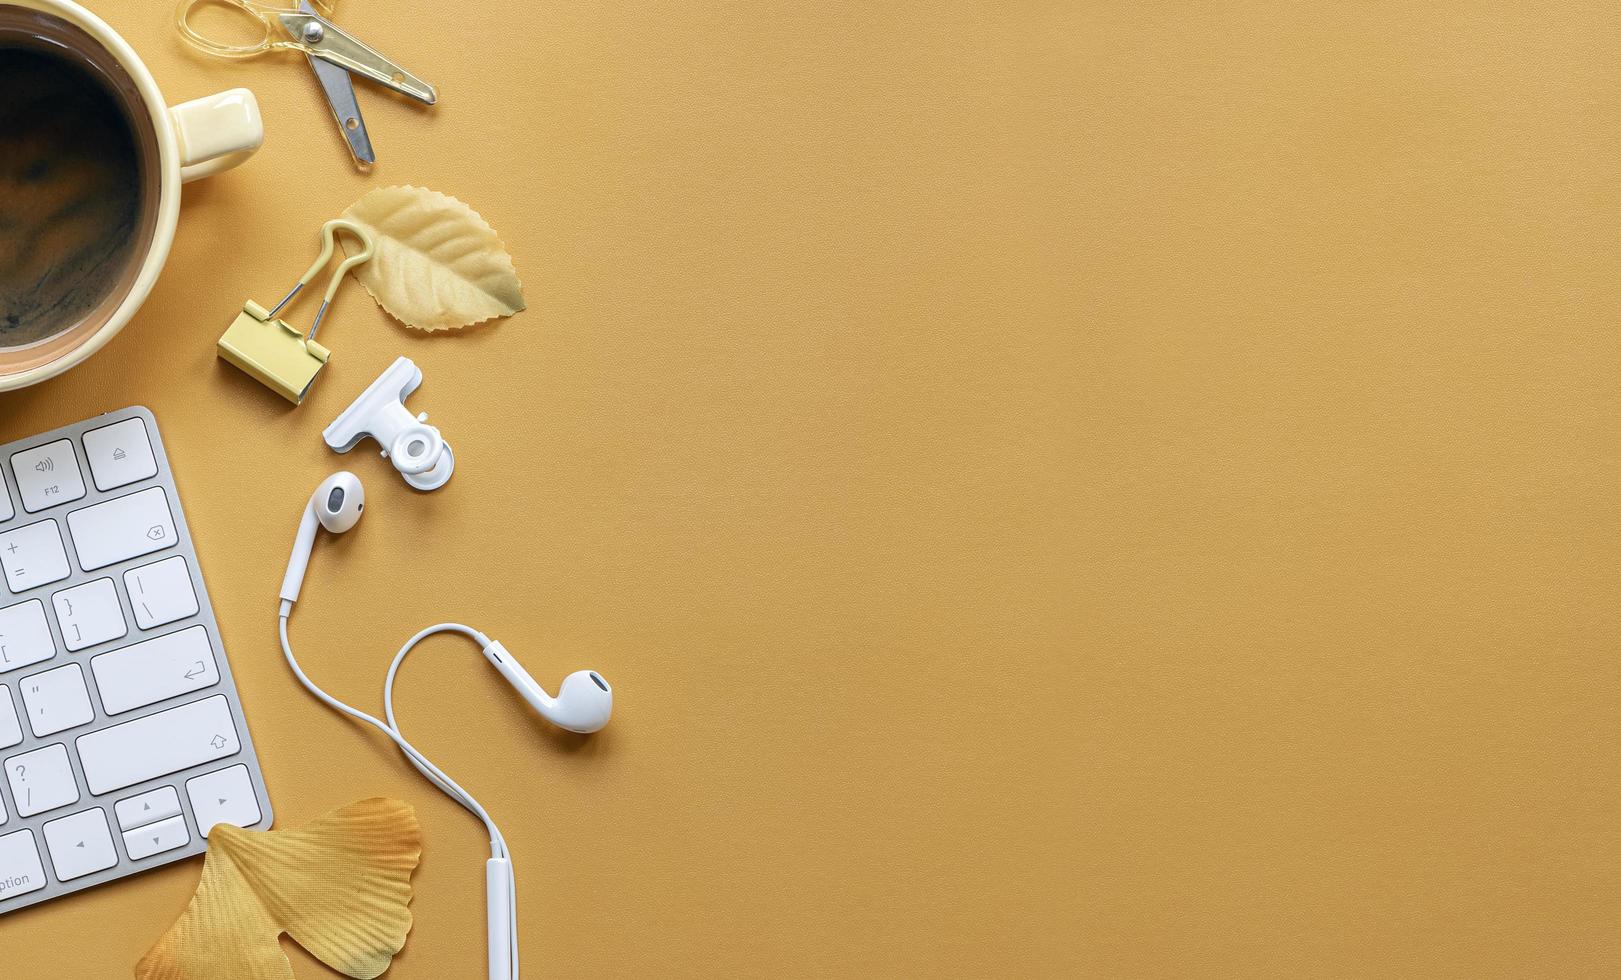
x=329, y=237
x=269, y=348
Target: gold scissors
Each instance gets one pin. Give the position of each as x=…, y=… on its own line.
x=333, y=54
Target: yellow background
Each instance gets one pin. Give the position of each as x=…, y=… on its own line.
x=1060, y=489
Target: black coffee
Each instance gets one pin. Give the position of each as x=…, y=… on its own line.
x=71, y=189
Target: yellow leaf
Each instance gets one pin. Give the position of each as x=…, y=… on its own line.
x=340, y=887
x=439, y=265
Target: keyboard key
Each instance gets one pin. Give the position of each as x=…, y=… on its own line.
x=116, y=705
x=158, y=745
x=90, y=614
x=138, y=811
x=161, y=593
x=20, y=869
x=48, y=475
x=11, y=731
x=166, y=835
x=33, y=556
x=121, y=529
x=41, y=780
x=156, y=670
x=81, y=844
x=25, y=636
x=223, y=797
x=120, y=454
x=56, y=700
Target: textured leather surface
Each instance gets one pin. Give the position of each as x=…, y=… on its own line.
x=1060, y=489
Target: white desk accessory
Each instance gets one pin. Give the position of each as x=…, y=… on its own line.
x=583, y=704
x=121, y=734
x=415, y=448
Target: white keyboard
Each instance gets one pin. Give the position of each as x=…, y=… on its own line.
x=121, y=736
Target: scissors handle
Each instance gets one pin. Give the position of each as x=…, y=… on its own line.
x=258, y=11
x=320, y=38
x=310, y=33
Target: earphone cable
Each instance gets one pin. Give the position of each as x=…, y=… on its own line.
x=498, y=846
x=435, y=775
x=423, y=766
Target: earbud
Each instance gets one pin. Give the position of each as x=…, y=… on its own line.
x=583, y=704
x=336, y=505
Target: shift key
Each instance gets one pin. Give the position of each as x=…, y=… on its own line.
x=158, y=745
x=121, y=529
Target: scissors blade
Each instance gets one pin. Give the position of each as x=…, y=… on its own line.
x=325, y=40
x=340, y=95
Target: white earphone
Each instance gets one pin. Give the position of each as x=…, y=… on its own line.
x=583, y=704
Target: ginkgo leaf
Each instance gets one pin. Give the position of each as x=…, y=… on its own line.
x=438, y=265
x=340, y=887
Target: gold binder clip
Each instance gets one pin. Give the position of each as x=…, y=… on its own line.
x=271, y=350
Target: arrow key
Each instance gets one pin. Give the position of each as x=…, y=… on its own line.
x=148, y=808
x=165, y=835
x=223, y=797
x=80, y=844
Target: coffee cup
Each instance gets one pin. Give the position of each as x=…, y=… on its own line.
x=91, y=163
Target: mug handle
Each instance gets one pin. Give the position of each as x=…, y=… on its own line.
x=216, y=132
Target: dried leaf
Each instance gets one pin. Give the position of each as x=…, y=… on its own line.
x=439, y=265
x=340, y=887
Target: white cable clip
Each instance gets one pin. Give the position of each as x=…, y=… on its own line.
x=415, y=448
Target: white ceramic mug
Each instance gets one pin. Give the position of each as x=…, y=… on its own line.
x=175, y=145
